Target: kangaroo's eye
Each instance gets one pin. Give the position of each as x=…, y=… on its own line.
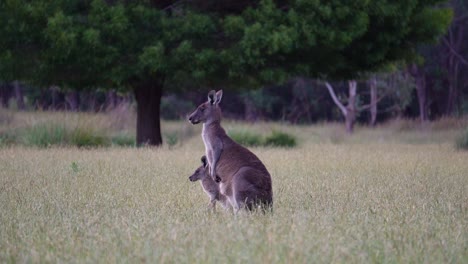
x=202, y=110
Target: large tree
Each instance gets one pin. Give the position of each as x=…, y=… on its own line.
x=393, y=32
x=338, y=40
x=142, y=46
x=152, y=46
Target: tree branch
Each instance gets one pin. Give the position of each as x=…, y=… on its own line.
x=454, y=52
x=390, y=109
x=173, y=5
x=460, y=19
x=367, y=106
x=335, y=99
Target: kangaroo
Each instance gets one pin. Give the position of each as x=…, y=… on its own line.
x=243, y=178
x=210, y=187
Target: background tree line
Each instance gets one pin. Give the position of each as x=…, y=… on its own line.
x=316, y=60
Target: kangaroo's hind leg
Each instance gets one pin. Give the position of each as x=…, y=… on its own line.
x=212, y=205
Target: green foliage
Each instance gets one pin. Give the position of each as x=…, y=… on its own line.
x=280, y=139
x=7, y=139
x=246, y=138
x=120, y=44
x=74, y=167
x=87, y=138
x=275, y=139
x=171, y=139
x=404, y=31
x=174, y=108
x=128, y=45
x=260, y=100
x=53, y=134
x=462, y=140
x=43, y=135
x=123, y=141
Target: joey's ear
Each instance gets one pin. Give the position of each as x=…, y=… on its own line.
x=219, y=95
x=212, y=97
x=204, y=161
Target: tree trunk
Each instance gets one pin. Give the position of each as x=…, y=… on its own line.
x=451, y=99
x=373, y=101
x=5, y=94
x=422, y=97
x=111, y=100
x=250, y=112
x=348, y=111
x=19, y=96
x=453, y=87
x=53, y=90
x=91, y=102
x=420, y=78
x=349, y=122
x=454, y=41
x=148, y=97
x=350, y=117
x=72, y=99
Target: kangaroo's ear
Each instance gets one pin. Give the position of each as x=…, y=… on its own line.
x=212, y=97
x=219, y=95
x=204, y=161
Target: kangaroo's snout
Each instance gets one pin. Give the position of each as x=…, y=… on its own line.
x=195, y=176
x=193, y=120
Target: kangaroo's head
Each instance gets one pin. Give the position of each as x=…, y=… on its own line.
x=209, y=111
x=201, y=172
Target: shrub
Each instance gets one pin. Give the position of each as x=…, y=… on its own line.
x=48, y=134
x=280, y=139
x=74, y=167
x=462, y=141
x=171, y=139
x=123, y=140
x=7, y=139
x=86, y=138
x=275, y=139
x=43, y=135
x=246, y=138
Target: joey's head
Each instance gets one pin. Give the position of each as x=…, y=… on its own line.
x=209, y=111
x=201, y=172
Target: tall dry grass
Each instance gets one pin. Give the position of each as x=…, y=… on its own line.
x=377, y=196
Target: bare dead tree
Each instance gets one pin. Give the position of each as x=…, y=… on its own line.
x=351, y=110
x=348, y=111
x=454, y=60
x=420, y=78
x=373, y=99
x=72, y=99
x=19, y=96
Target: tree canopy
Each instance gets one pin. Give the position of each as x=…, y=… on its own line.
x=147, y=46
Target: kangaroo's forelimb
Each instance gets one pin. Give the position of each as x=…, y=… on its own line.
x=215, y=155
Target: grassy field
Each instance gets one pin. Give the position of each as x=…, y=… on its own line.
x=395, y=194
